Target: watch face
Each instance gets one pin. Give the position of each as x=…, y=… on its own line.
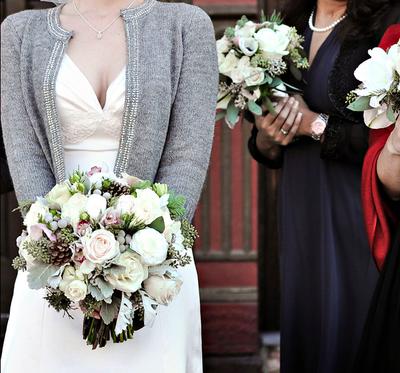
x=318, y=127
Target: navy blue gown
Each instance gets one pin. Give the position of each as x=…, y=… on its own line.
x=327, y=271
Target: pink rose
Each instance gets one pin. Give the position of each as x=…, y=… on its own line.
x=100, y=246
x=111, y=217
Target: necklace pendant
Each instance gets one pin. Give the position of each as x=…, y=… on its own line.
x=99, y=35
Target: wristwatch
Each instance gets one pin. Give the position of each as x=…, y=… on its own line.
x=318, y=126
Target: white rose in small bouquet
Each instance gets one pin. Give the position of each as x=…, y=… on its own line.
x=59, y=195
x=379, y=91
x=73, y=285
x=73, y=208
x=272, y=44
x=38, y=210
x=147, y=206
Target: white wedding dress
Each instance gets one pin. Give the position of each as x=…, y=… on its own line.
x=41, y=340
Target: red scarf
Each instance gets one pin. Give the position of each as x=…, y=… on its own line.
x=379, y=218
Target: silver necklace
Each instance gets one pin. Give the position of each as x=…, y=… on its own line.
x=324, y=29
x=99, y=33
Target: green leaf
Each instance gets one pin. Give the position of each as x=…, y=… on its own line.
x=390, y=114
x=254, y=108
x=105, y=288
x=361, y=104
x=95, y=292
x=232, y=114
x=108, y=312
x=267, y=79
x=269, y=105
x=39, y=275
x=158, y=224
x=176, y=205
x=276, y=82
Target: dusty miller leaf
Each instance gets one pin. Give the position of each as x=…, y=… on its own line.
x=39, y=275
x=124, y=315
x=109, y=311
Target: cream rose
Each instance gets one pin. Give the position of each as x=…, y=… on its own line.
x=36, y=210
x=147, y=205
x=125, y=204
x=163, y=290
x=150, y=245
x=273, y=44
x=73, y=285
x=73, y=208
x=95, y=206
x=229, y=63
x=59, y=195
x=224, y=45
x=100, y=246
x=131, y=279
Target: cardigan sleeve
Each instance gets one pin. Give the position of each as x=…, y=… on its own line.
x=186, y=154
x=30, y=171
x=345, y=141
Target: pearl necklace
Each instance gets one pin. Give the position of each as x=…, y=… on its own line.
x=324, y=29
x=99, y=33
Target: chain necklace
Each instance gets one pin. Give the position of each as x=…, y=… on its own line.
x=324, y=29
x=99, y=33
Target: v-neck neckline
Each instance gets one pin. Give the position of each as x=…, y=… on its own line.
x=91, y=89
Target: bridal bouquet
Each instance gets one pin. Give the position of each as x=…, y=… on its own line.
x=109, y=246
x=252, y=57
x=378, y=96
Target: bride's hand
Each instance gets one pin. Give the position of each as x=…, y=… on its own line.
x=393, y=142
x=308, y=117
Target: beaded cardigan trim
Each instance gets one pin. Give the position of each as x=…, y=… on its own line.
x=130, y=17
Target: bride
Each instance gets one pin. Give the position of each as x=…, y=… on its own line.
x=128, y=86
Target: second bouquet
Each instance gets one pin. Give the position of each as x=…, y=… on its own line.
x=252, y=58
x=109, y=246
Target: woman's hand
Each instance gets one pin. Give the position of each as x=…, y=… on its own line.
x=308, y=117
x=393, y=142
x=278, y=128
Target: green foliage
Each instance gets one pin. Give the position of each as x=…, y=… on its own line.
x=90, y=305
x=360, y=104
x=189, y=233
x=38, y=249
x=58, y=300
x=160, y=189
x=158, y=224
x=177, y=258
x=230, y=32
x=24, y=207
x=276, y=17
x=242, y=21
x=176, y=205
x=254, y=108
x=19, y=263
x=232, y=113
x=67, y=235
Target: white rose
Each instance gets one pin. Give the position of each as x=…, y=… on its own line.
x=125, y=204
x=100, y=246
x=37, y=209
x=376, y=73
x=273, y=44
x=147, y=205
x=73, y=208
x=246, y=31
x=76, y=290
x=238, y=75
x=150, y=245
x=248, y=46
x=59, y=195
x=254, y=76
x=223, y=45
x=394, y=55
x=95, y=206
x=135, y=273
x=283, y=29
x=376, y=118
x=230, y=63
x=162, y=290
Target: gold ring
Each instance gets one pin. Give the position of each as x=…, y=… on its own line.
x=285, y=133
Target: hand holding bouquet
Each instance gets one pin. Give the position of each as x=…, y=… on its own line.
x=378, y=96
x=252, y=57
x=110, y=246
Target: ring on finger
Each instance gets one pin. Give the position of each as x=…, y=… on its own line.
x=284, y=132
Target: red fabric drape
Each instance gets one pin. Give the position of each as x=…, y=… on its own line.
x=379, y=217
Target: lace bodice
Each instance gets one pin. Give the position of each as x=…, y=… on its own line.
x=90, y=133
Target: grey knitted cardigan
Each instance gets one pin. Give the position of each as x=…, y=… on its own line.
x=171, y=88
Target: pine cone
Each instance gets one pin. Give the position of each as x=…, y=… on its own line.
x=60, y=253
x=117, y=189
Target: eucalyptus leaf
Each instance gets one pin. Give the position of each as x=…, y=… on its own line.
x=105, y=288
x=108, y=312
x=276, y=82
x=390, y=114
x=361, y=104
x=254, y=108
x=267, y=79
x=124, y=315
x=158, y=224
x=39, y=275
x=232, y=114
